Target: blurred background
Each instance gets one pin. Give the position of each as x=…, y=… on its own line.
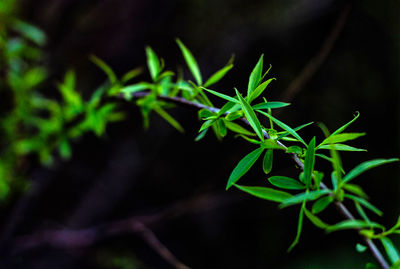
x=331, y=59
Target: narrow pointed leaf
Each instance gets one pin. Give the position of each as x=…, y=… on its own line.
x=251, y=116
x=271, y=105
x=283, y=126
x=286, y=183
x=321, y=204
x=341, y=129
x=284, y=134
x=365, y=203
x=268, y=160
x=265, y=193
x=339, y=138
x=201, y=135
x=191, y=62
x=305, y=196
x=153, y=63
x=299, y=227
x=221, y=95
x=340, y=147
x=361, y=168
x=259, y=90
x=234, y=127
x=106, y=68
x=169, y=119
x=315, y=220
x=352, y=224
x=356, y=189
x=309, y=162
x=218, y=75
x=390, y=249
x=255, y=76
x=243, y=166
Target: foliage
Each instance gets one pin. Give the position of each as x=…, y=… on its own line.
x=36, y=125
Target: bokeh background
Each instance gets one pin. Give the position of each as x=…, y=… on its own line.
x=136, y=172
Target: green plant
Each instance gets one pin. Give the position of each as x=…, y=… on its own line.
x=35, y=125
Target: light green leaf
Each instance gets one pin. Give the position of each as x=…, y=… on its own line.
x=283, y=126
x=268, y=160
x=218, y=75
x=360, y=248
x=271, y=144
x=309, y=162
x=341, y=147
x=365, y=203
x=286, y=183
x=321, y=204
x=221, y=95
x=243, y=166
x=191, y=62
x=361, y=168
x=299, y=227
x=270, y=105
x=253, y=141
x=201, y=135
x=234, y=127
x=338, y=138
x=259, y=90
x=390, y=249
x=221, y=127
x=131, y=74
x=153, y=63
x=341, y=129
x=141, y=86
x=206, y=125
x=106, y=68
x=304, y=196
x=251, y=116
x=352, y=224
x=356, y=189
x=265, y=193
x=255, y=76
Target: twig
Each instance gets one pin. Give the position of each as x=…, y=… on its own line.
x=341, y=207
x=313, y=65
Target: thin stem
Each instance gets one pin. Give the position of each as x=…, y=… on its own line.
x=341, y=207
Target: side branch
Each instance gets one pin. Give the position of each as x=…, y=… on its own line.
x=340, y=206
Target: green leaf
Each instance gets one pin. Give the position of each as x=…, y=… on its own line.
x=206, y=125
x=352, y=224
x=255, y=76
x=30, y=32
x=153, y=63
x=321, y=204
x=243, y=166
x=341, y=147
x=390, y=249
x=268, y=160
x=169, y=118
x=286, y=183
x=221, y=127
x=201, y=135
x=365, y=203
x=221, y=95
x=205, y=113
x=361, y=168
x=341, y=129
x=338, y=138
x=309, y=162
x=253, y=141
x=271, y=144
x=356, y=189
x=259, y=90
x=131, y=74
x=299, y=227
x=106, y=68
x=360, y=248
x=234, y=115
x=315, y=220
x=294, y=149
x=191, y=62
x=304, y=196
x=265, y=193
x=270, y=105
x=251, y=116
x=218, y=75
x=283, y=126
x=234, y=127
x=141, y=86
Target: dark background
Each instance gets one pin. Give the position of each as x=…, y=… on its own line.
x=133, y=172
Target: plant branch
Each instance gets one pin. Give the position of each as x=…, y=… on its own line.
x=340, y=206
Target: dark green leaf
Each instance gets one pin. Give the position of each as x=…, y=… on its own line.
x=255, y=76
x=283, y=126
x=309, y=162
x=251, y=116
x=218, y=75
x=268, y=160
x=321, y=204
x=243, y=166
x=286, y=183
x=361, y=168
x=268, y=105
x=107, y=69
x=191, y=62
x=365, y=203
x=221, y=127
x=265, y=193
